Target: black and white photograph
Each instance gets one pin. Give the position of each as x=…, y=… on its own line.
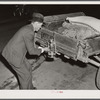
x=50, y=47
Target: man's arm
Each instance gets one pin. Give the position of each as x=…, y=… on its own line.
x=29, y=42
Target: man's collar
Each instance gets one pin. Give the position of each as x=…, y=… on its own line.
x=32, y=26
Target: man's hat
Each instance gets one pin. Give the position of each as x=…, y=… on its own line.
x=37, y=17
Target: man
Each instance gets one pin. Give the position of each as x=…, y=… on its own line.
x=16, y=49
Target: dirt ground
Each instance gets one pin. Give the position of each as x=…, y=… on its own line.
x=54, y=75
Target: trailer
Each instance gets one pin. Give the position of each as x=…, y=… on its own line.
x=75, y=41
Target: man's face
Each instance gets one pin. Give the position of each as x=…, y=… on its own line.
x=37, y=25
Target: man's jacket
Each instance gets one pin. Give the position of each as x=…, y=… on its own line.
x=23, y=41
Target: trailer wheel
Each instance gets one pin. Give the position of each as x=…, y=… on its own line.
x=98, y=79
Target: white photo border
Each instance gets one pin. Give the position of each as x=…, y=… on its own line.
x=50, y=94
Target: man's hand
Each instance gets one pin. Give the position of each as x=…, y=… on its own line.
x=44, y=49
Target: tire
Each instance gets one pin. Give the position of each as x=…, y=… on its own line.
x=98, y=79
